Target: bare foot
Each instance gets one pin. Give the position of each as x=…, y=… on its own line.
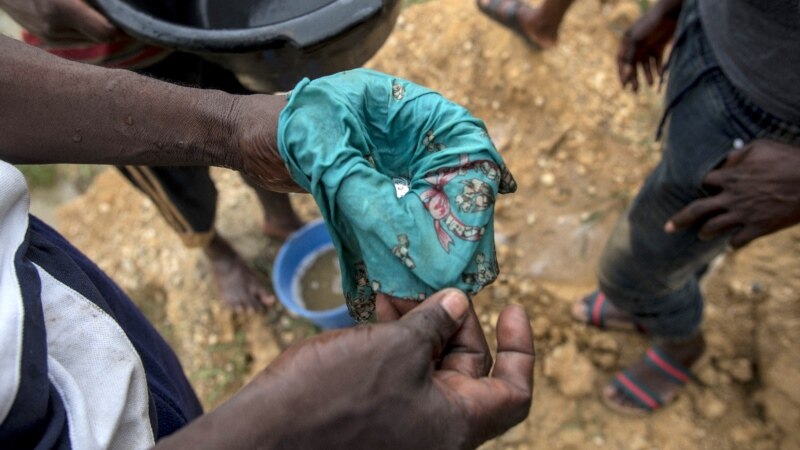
x=239, y=287
x=656, y=381
x=538, y=27
x=604, y=315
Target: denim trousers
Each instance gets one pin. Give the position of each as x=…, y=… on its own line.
x=644, y=271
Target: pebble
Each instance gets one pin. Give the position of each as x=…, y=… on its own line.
x=501, y=292
x=570, y=370
x=709, y=405
x=745, y=434
x=547, y=179
x=572, y=437
x=739, y=369
x=541, y=325
x=604, y=342
x=605, y=360
x=638, y=442
x=708, y=375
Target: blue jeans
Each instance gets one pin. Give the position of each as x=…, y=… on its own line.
x=644, y=271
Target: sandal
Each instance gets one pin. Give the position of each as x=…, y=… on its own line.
x=505, y=12
x=592, y=310
x=642, y=395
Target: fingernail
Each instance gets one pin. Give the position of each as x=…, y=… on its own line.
x=669, y=227
x=455, y=303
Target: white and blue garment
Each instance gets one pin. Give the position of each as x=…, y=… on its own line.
x=80, y=366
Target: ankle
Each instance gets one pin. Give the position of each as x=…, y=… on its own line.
x=686, y=350
x=219, y=248
x=534, y=21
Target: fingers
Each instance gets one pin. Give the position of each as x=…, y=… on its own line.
x=747, y=235
x=659, y=65
x=468, y=352
x=735, y=157
x=88, y=21
x=623, y=66
x=633, y=78
x=389, y=309
x=693, y=214
x=719, y=225
x=384, y=309
x=438, y=318
x=502, y=401
x=648, y=74
x=515, y=352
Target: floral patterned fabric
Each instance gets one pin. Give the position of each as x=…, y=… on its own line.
x=405, y=180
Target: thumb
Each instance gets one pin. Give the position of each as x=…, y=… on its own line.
x=438, y=318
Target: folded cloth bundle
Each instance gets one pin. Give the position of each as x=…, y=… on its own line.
x=405, y=180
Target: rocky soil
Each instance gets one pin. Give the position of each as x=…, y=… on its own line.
x=579, y=148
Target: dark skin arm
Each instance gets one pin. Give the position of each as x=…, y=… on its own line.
x=757, y=192
x=57, y=111
x=345, y=390
x=643, y=44
x=420, y=382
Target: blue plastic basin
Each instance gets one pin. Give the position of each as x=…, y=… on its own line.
x=302, y=246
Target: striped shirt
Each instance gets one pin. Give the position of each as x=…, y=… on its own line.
x=80, y=366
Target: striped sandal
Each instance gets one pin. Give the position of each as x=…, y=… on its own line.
x=593, y=309
x=642, y=395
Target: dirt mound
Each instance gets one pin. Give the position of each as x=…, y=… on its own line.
x=579, y=148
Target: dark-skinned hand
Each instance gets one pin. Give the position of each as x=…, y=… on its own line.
x=60, y=20
x=419, y=382
x=757, y=192
x=643, y=44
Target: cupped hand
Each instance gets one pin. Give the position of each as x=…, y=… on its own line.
x=756, y=194
x=642, y=47
x=60, y=20
x=424, y=381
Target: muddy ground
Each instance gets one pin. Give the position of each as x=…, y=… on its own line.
x=579, y=148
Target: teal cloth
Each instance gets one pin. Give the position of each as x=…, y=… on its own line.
x=350, y=139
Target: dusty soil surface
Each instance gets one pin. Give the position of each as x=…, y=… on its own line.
x=579, y=148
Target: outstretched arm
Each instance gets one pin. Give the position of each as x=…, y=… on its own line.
x=424, y=381
x=57, y=111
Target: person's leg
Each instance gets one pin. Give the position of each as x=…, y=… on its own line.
x=280, y=219
x=648, y=274
x=187, y=198
x=538, y=25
